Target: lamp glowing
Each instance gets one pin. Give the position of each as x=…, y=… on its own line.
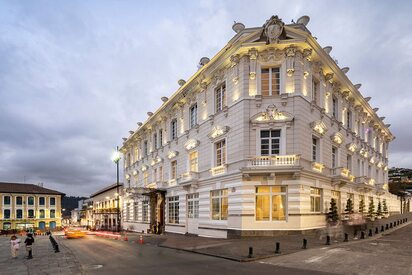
x=116, y=156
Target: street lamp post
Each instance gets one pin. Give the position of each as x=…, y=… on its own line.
x=116, y=158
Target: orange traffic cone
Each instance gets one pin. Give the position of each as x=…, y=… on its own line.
x=125, y=238
x=141, y=239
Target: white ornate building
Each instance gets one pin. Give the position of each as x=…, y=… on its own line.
x=258, y=140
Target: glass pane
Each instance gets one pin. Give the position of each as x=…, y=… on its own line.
x=278, y=189
x=275, y=133
x=278, y=207
x=215, y=208
x=262, y=189
x=262, y=207
x=224, y=208
x=264, y=133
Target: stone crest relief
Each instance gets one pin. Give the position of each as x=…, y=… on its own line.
x=273, y=29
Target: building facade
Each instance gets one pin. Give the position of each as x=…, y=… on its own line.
x=104, y=208
x=257, y=141
x=25, y=206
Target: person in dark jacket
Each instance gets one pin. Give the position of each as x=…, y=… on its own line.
x=29, y=242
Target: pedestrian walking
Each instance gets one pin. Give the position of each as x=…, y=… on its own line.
x=14, y=246
x=29, y=243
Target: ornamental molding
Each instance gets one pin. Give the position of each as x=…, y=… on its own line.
x=271, y=54
x=351, y=147
x=191, y=144
x=272, y=114
x=337, y=138
x=319, y=127
x=172, y=154
x=273, y=28
x=218, y=131
x=144, y=168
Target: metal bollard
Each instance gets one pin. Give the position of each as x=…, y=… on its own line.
x=305, y=243
x=390, y=225
x=56, y=249
x=398, y=222
x=250, y=252
x=327, y=240
x=355, y=233
x=346, y=237
x=277, y=251
x=370, y=233
x=387, y=226
x=382, y=228
x=362, y=235
x=376, y=230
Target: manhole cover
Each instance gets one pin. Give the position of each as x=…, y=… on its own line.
x=93, y=266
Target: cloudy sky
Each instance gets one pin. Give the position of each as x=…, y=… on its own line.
x=75, y=76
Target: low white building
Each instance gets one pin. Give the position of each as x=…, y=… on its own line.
x=105, y=213
x=257, y=141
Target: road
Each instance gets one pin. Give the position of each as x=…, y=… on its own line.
x=105, y=256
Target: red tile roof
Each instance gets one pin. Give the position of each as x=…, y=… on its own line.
x=10, y=187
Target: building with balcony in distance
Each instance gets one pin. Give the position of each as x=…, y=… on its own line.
x=257, y=141
x=29, y=206
x=105, y=210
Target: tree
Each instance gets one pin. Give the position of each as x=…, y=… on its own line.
x=349, y=206
x=333, y=215
x=371, y=209
x=385, y=207
x=379, y=210
x=362, y=206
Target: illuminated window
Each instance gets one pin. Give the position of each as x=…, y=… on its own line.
x=193, y=115
x=219, y=204
x=173, y=209
x=270, y=81
x=270, y=203
x=41, y=214
x=220, y=97
x=52, y=213
x=145, y=211
x=193, y=161
x=220, y=148
x=193, y=206
x=173, y=167
x=269, y=142
x=315, y=197
x=173, y=129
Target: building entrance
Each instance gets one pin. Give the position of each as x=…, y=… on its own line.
x=157, y=211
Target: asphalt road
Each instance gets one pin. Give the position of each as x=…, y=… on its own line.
x=104, y=256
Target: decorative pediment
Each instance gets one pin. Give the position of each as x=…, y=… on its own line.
x=319, y=127
x=135, y=173
x=191, y=144
x=156, y=160
x=273, y=28
x=272, y=114
x=218, y=131
x=127, y=176
x=337, y=138
x=144, y=167
x=172, y=154
x=351, y=147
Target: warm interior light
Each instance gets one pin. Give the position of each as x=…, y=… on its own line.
x=116, y=156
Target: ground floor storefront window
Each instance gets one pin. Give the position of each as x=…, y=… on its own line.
x=193, y=206
x=173, y=207
x=219, y=204
x=271, y=203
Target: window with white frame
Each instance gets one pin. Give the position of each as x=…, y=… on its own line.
x=270, y=203
x=52, y=201
x=334, y=157
x=315, y=90
x=173, y=209
x=349, y=119
x=173, y=169
x=315, y=149
x=220, y=151
x=19, y=214
x=219, y=204
x=193, y=206
x=135, y=210
x=6, y=214
x=269, y=142
x=349, y=162
x=30, y=213
x=334, y=107
x=173, y=129
x=193, y=161
x=315, y=199
x=19, y=200
x=193, y=115
x=136, y=154
x=30, y=201
x=145, y=211
x=220, y=97
x=6, y=200
x=160, y=137
x=155, y=142
x=270, y=81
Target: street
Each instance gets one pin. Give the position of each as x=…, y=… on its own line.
x=106, y=256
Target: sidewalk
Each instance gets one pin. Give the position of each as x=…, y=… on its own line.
x=264, y=247
x=45, y=260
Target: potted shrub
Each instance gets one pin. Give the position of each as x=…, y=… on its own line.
x=333, y=216
x=348, y=210
x=379, y=211
x=385, y=208
x=362, y=206
x=371, y=211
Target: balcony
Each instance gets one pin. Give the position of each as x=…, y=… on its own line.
x=218, y=170
x=277, y=161
x=188, y=178
x=341, y=176
x=364, y=183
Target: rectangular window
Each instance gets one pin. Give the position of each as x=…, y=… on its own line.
x=136, y=154
x=219, y=204
x=135, y=210
x=349, y=162
x=19, y=200
x=334, y=157
x=6, y=200
x=269, y=142
x=351, y=196
x=173, y=129
x=41, y=200
x=173, y=209
x=315, y=149
x=155, y=144
x=220, y=148
x=270, y=203
x=270, y=81
x=315, y=91
x=193, y=206
x=145, y=148
x=155, y=174
x=6, y=214
x=19, y=213
x=160, y=173
x=161, y=137
x=145, y=211
x=349, y=119
x=173, y=167
x=220, y=97
x=315, y=197
x=145, y=177
x=30, y=214
x=193, y=161
x=52, y=213
x=193, y=115
x=41, y=214
x=30, y=200
x=52, y=201
x=334, y=107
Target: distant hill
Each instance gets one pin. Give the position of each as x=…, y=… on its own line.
x=400, y=181
x=69, y=203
